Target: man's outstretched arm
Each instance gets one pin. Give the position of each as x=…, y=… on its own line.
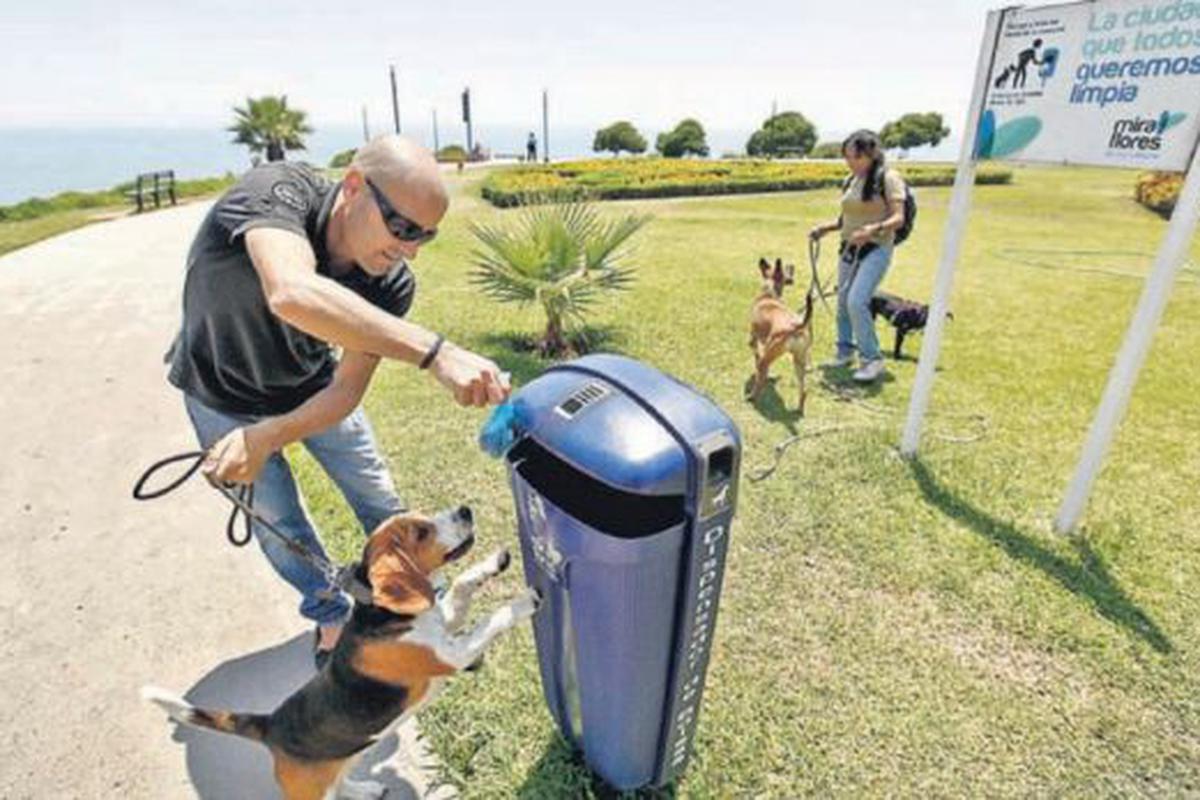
x=295, y=293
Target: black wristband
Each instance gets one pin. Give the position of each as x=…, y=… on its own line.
x=432, y=354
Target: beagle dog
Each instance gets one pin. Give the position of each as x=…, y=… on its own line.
x=392, y=655
x=775, y=329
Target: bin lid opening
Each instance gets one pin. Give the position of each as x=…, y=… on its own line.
x=620, y=513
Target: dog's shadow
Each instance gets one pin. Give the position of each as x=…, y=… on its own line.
x=223, y=767
x=771, y=406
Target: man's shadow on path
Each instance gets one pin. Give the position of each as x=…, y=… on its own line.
x=225, y=767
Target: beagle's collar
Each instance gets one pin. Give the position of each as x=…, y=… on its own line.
x=351, y=579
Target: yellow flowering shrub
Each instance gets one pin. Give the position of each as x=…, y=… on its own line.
x=1159, y=191
x=613, y=179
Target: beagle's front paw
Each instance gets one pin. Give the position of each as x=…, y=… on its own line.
x=527, y=604
x=498, y=562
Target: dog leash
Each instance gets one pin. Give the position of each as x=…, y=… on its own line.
x=848, y=395
x=814, y=258
x=781, y=448
x=342, y=579
x=845, y=395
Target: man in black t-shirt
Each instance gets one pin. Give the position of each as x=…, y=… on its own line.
x=284, y=267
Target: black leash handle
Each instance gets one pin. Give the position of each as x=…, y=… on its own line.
x=139, y=488
x=344, y=579
x=245, y=493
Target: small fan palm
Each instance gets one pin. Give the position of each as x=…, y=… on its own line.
x=268, y=124
x=561, y=256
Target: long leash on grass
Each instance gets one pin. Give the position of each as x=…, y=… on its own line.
x=847, y=395
x=782, y=447
x=979, y=420
x=343, y=579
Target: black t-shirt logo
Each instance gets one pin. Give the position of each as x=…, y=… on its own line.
x=290, y=195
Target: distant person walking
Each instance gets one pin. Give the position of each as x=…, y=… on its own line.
x=531, y=148
x=872, y=209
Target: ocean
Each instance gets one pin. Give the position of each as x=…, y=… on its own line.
x=39, y=162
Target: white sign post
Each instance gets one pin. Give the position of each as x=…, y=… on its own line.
x=1108, y=83
x=960, y=205
x=1124, y=374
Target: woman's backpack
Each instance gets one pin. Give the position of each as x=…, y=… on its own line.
x=910, y=216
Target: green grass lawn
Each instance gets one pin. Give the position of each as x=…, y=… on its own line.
x=21, y=233
x=886, y=628
x=30, y=221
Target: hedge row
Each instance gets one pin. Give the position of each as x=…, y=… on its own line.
x=642, y=178
x=72, y=201
x=1159, y=191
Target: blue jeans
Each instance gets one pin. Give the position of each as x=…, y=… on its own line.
x=856, y=284
x=348, y=454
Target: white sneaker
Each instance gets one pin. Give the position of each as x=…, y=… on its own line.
x=838, y=362
x=869, y=371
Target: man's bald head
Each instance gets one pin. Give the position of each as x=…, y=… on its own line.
x=407, y=173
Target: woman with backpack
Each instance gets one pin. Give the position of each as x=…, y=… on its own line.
x=873, y=208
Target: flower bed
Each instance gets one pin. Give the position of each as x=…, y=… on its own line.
x=610, y=179
x=1159, y=191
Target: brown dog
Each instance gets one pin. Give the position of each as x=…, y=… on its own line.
x=393, y=654
x=775, y=329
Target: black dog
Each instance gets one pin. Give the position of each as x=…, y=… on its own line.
x=905, y=316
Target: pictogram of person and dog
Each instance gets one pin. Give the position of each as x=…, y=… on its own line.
x=1014, y=75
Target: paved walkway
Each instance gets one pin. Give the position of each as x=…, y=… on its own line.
x=100, y=594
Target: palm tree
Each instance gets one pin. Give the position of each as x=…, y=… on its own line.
x=560, y=256
x=268, y=124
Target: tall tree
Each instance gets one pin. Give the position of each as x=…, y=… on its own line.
x=686, y=138
x=913, y=130
x=617, y=137
x=267, y=124
x=788, y=133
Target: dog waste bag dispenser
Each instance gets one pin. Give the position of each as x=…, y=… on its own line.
x=625, y=482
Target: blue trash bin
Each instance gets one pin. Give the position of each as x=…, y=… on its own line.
x=625, y=482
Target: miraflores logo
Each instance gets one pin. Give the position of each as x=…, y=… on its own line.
x=1143, y=133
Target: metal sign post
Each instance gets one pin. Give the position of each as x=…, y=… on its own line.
x=1109, y=83
x=960, y=206
x=395, y=100
x=1121, y=380
x=545, y=126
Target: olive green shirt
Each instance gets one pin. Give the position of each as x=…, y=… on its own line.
x=856, y=213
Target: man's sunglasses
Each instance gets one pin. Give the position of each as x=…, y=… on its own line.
x=397, y=224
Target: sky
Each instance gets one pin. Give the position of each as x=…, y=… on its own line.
x=165, y=64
